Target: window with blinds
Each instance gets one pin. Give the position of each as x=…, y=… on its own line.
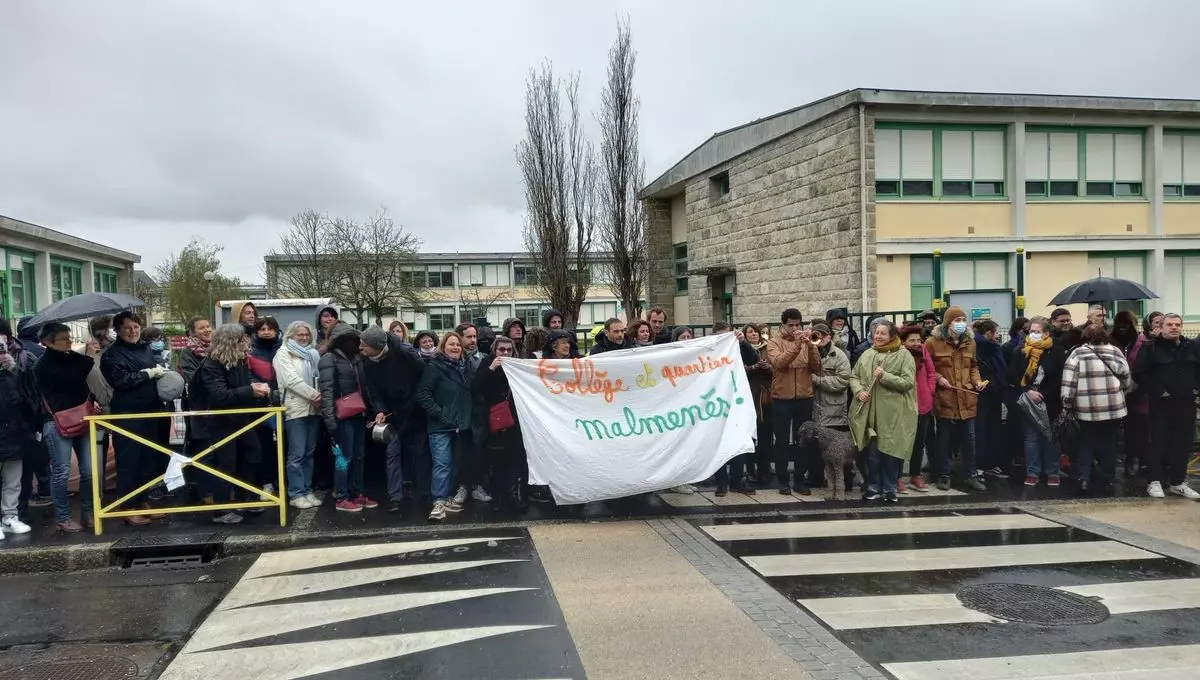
x=939, y=161
x=1181, y=293
x=1181, y=166
x=1083, y=162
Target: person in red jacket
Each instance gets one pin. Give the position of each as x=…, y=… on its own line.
x=913, y=336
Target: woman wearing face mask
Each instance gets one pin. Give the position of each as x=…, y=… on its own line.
x=132, y=369
x=759, y=375
x=445, y=395
x=883, y=419
x=1036, y=370
x=926, y=378
x=957, y=403
x=158, y=345
x=427, y=342
x=296, y=368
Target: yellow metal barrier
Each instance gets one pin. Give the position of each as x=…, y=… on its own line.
x=101, y=511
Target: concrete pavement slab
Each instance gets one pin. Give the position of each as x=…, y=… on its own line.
x=1171, y=519
x=637, y=609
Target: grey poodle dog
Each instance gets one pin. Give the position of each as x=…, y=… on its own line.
x=836, y=450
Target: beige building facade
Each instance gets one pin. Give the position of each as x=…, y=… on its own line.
x=882, y=200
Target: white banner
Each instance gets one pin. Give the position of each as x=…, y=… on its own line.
x=633, y=421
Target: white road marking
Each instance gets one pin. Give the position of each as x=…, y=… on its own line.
x=1146, y=663
x=269, y=564
x=869, y=527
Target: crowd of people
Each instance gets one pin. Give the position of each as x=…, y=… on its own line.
x=912, y=398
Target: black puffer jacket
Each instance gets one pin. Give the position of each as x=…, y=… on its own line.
x=341, y=372
x=392, y=382
x=603, y=344
x=1166, y=369
x=491, y=388
x=445, y=394
x=20, y=415
x=62, y=379
x=133, y=390
x=220, y=387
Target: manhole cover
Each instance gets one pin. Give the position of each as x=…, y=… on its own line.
x=76, y=668
x=1032, y=604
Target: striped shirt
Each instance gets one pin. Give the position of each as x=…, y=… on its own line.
x=1094, y=381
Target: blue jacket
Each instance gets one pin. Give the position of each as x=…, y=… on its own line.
x=993, y=366
x=133, y=391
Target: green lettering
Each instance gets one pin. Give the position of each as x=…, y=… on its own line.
x=593, y=426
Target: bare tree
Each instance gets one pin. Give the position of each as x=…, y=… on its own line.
x=558, y=167
x=372, y=266
x=307, y=271
x=622, y=173
x=475, y=303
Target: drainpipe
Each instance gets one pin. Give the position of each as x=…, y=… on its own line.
x=862, y=203
x=1020, y=282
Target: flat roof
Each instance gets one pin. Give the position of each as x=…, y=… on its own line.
x=729, y=144
x=499, y=256
x=35, y=231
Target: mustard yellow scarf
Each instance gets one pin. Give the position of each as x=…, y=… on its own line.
x=1034, y=350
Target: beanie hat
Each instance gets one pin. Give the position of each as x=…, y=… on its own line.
x=374, y=337
x=821, y=327
x=952, y=313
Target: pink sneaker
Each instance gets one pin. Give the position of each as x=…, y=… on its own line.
x=363, y=501
x=347, y=505
x=901, y=486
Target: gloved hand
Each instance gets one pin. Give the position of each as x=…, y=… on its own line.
x=154, y=373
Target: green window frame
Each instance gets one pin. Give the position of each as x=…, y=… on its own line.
x=104, y=279
x=680, y=253
x=936, y=186
x=975, y=259
x=440, y=318
x=921, y=292
x=22, y=282
x=1188, y=185
x=530, y=315
x=1082, y=186
x=1184, y=258
x=1096, y=262
x=66, y=279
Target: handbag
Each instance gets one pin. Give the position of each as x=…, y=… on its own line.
x=349, y=405
x=72, y=422
x=500, y=417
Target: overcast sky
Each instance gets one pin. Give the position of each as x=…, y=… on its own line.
x=140, y=124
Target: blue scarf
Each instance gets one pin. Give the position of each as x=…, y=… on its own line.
x=308, y=369
x=459, y=366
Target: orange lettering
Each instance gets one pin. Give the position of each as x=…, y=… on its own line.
x=703, y=364
x=587, y=380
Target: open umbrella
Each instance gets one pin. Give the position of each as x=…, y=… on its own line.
x=84, y=306
x=1102, y=289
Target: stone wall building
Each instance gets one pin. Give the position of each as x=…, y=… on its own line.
x=880, y=200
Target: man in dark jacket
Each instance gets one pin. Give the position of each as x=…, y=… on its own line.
x=30, y=337
x=613, y=337
x=657, y=316
x=393, y=371
x=1168, y=371
x=554, y=320
x=19, y=419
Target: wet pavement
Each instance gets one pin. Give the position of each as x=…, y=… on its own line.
x=921, y=594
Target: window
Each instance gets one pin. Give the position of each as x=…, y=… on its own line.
x=105, y=280
x=66, y=279
x=441, y=318
x=1181, y=165
x=680, y=251
x=525, y=275
x=1182, y=292
x=921, y=290
x=492, y=275
x=592, y=313
x=21, y=283
x=495, y=314
x=1130, y=266
x=939, y=161
x=440, y=276
x=974, y=272
x=718, y=185
x=530, y=315
x=1088, y=162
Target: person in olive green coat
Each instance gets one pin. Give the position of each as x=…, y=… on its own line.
x=883, y=415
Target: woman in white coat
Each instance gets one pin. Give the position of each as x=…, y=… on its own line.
x=296, y=370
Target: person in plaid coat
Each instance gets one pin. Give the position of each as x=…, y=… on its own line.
x=1094, y=380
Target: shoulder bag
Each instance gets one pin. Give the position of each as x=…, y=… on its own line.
x=349, y=405
x=72, y=422
x=500, y=417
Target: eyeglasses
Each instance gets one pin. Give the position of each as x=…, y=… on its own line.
x=503, y=350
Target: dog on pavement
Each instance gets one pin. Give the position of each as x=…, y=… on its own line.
x=836, y=450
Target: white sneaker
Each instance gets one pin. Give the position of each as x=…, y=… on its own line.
x=438, y=511
x=1154, y=490
x=1, y=534
x=16, y=526
x=301, y=502
x=267, y=488
x=1179, y=490
x=480, y=494
x=683, y=488
x=461, y=496
x=312, y=499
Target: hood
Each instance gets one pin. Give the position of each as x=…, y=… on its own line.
x=547, y=313
x=985, y=346
x=25, y=331
x=340, y=333
x=836, y=313
x=259, y=345
x=555, y=335
x=509, y=323
x=235, y=311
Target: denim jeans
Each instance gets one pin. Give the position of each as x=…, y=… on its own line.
x=1041, y=454
x=958, y=434
x=883, y=470
x=60, y=449
x=1098, y=446
x=441, y=448
x=301, y=436
x=351, y=435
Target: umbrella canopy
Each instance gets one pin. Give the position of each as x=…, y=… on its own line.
x=84, y=306
x=1102, y=289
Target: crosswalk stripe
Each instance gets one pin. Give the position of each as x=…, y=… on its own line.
x=230, y=626
x=270, y=564
x=304, y=659
x=260, y=590
x=1160, y=663
x=888, y=611
x=869, y=527
x=929, y=559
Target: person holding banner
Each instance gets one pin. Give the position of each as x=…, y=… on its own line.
x=883, y=419
x=503, y=442
x=732, y=474
x=794, y=360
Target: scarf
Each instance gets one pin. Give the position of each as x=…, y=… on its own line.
x=917, y=353
x=760, y=345
x=643, y=343
x=459, y=366
x=197, y=346
x=823, y=350
x=428, y=353
x=378, y=357
x=308, y=367
x=843, y=335
x=1034, y=350
x=892, y=346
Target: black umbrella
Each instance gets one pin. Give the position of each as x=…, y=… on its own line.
x=84, y=306
x=1102, y=289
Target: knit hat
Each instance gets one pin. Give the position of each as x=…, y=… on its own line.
x=952, y=313
x=374, y=337
x=821, y=327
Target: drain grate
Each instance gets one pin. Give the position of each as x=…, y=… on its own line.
x=1032, y=604
x=167, y=562
x=76, y=668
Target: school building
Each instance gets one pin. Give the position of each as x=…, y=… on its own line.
x=881, y=200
